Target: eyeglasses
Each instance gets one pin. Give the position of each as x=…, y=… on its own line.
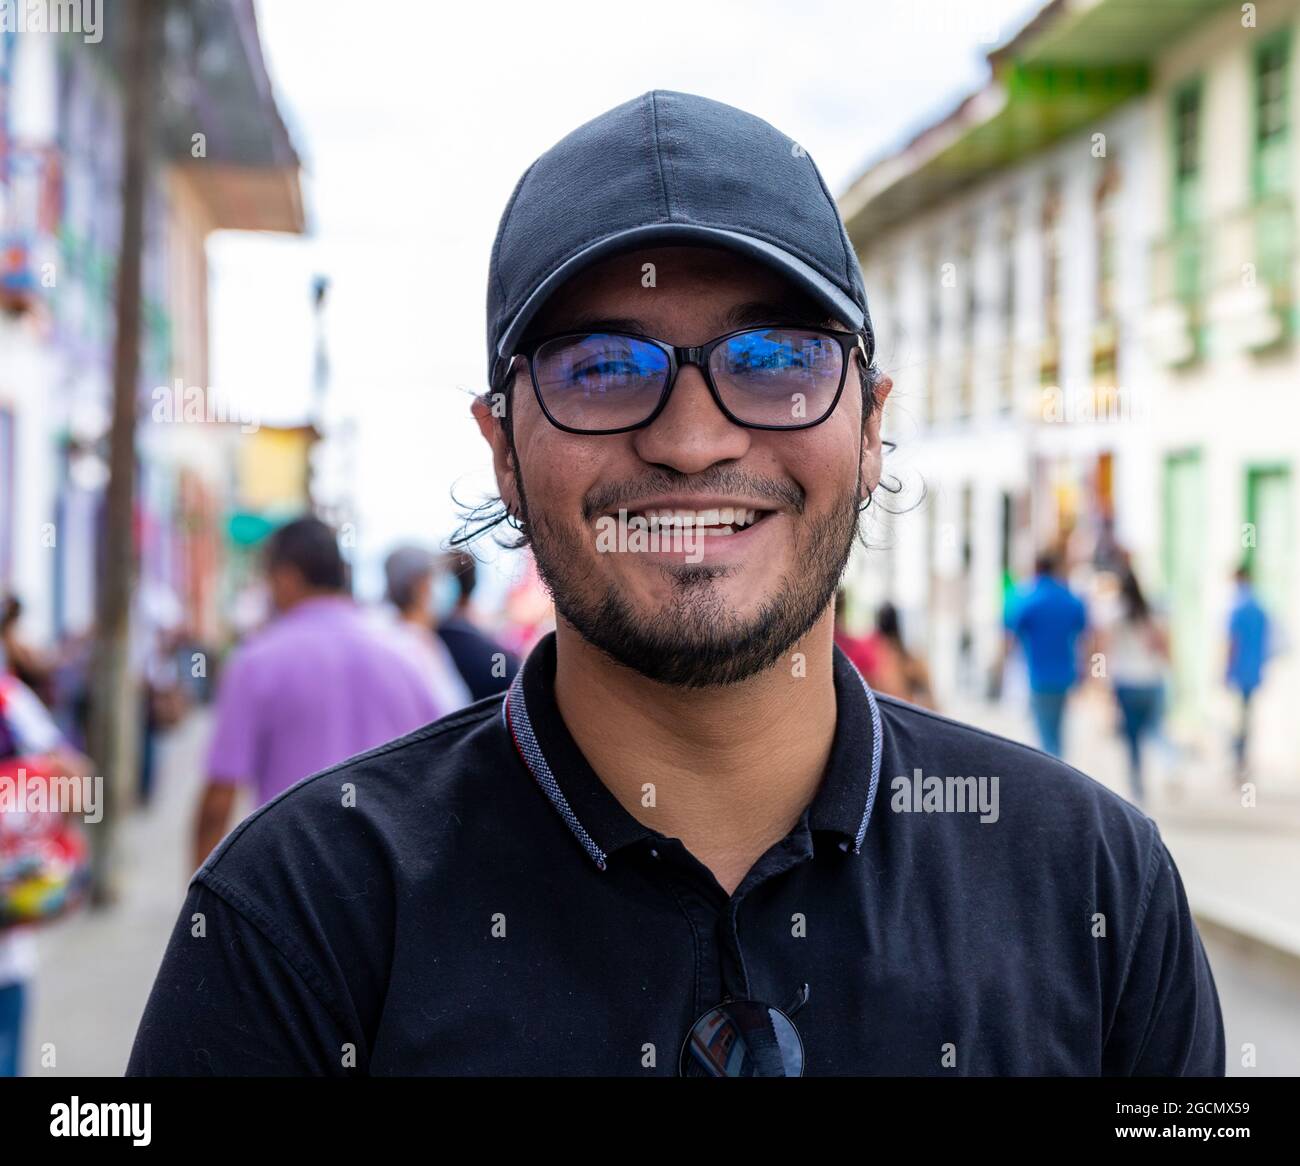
x=775, y=377
x=745, y=1038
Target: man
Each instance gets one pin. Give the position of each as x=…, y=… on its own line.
x=1248, y=651
x=316, y=686
x=486, y=667
x=409, y=574
x=674, y=846
x=1048, y=620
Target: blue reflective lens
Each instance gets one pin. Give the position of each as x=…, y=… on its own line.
x=763, y=356
x=600, y=380
x=778, y=376
x=600, y=363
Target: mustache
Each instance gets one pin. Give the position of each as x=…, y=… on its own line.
x=717, y=480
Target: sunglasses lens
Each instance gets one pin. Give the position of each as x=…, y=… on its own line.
x=778, y=376
x=742, y=1038
x=600, y=381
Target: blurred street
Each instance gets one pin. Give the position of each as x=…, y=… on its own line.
x=1240, y=868
x=96, y=968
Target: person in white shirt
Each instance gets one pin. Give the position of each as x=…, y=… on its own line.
x=1135, y=645
x=410, y=573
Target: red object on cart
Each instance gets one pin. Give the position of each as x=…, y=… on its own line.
x=44, y=860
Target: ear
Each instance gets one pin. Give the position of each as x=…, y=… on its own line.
x=872, y=456
x=489, y=413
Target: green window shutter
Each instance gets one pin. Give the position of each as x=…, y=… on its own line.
x=1271, y=533
x=1271, y=155
x=1187, y=154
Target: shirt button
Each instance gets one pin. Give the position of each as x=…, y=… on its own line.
x=653, y=852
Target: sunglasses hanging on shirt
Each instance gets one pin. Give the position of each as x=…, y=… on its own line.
x=745, y=1038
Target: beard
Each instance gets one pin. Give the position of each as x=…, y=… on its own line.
x=695, y=640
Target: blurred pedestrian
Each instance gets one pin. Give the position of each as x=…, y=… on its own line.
x=1249, y=634
x=897, y=671
x=317, y=685
x=43, y=860
x=1048, y=619
x=29, y=664
x=157, y=618
x=71, y=684
x=485, y=665
x=410, y=574
x=527, y=611
x=1135, y=646
x=856, y=648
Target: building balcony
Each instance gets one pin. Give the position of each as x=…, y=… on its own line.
x=1224, y=286
x=1175, y=326
x=248, y=175
x=1253, y=306
x=969, y=386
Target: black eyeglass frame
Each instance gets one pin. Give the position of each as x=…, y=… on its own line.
x=699, y=355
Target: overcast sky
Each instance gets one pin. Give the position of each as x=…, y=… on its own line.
x=415, y=120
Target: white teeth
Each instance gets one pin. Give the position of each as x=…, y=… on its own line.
x=714, y=517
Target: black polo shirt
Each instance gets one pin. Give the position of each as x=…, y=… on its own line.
x=471, y=899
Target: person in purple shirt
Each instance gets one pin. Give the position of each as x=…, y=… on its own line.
x=316, y=686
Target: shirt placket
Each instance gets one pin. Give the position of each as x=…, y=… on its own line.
x=720, y=969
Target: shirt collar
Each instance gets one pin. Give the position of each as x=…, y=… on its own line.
x=315, y=604
x=842, y=805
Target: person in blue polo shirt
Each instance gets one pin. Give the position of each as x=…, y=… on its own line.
x=1248, y=650
x=1048, y=619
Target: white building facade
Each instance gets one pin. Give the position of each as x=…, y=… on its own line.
x=1030, y=262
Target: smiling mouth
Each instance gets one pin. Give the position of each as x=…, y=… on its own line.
x=714, y=520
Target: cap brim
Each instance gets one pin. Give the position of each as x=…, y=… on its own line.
x=836, y=302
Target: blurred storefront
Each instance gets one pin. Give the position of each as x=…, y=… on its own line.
x=273, y=485
x=225, y=161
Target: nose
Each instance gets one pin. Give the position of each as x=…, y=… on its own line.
x=692, y=433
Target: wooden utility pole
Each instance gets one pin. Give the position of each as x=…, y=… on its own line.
x=115, y=691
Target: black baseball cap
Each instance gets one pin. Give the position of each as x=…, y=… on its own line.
x=668, y=168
